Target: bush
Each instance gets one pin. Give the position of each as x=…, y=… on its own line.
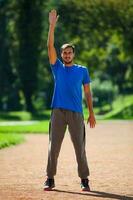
x=103, y=92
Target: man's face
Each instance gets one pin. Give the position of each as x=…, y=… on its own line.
x=67, y=55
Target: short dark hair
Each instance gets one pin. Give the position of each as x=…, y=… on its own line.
x=67, y=45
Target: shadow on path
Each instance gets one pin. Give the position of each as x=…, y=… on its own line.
x=98, y=194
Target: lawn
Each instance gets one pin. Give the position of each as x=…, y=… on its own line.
x=122, y=108
x=37, y=127
x=24, y=116
x=7, y=140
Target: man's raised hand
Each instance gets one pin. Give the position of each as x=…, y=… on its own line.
x=53, y=17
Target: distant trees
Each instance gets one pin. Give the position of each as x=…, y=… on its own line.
x=9, y=98
x=101, y=31
x=29, y=30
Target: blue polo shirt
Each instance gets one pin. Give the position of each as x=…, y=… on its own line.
x=68, y=86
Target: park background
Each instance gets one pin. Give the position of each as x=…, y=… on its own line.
x=102, y=32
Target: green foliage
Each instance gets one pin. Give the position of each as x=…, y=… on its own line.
x=10, y=116
x=104, y=92
x=122, y=108
x=101, y=31
x=29, y=27
x=7, y=140
x=24, y=116
x=9, y=96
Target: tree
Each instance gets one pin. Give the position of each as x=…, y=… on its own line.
x=29, y=29
x=9, y=97
x=91, y=26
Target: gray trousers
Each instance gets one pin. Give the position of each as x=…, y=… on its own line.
x=60, y=118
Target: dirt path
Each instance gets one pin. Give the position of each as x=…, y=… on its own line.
x=109, y=150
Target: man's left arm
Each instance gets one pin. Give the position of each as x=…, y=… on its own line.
x=91, y=119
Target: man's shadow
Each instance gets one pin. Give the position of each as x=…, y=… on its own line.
x=99, y=194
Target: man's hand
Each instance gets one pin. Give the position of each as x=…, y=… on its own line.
x=91, y=120
x=53, y=17
x=50, y=43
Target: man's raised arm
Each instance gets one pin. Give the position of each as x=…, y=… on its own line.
x=50, y=43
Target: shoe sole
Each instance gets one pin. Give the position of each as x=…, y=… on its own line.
x=85, y=189
x=49, y=188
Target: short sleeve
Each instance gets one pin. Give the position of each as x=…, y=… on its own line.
x=57, y=64
x=86, y=77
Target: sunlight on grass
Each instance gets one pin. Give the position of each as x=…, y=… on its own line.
x=122, y=108
x=7, y=140
x=40, y=127
x=24, y=115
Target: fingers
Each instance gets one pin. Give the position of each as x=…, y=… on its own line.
x=53, y=13
x=92, y=125
x=53, y=18
x=53, y=10
x=92, y=122
x=57, y=18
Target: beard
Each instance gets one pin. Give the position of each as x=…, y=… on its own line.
x=67, y=62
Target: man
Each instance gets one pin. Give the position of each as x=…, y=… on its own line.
x=67, y=107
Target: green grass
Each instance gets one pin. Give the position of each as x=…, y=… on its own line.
x=122, y=108
x=24, y=116
x=7, y=140
x=39, y=127
x=12, y=135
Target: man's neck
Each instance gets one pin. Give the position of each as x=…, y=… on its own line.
x=68, y=64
